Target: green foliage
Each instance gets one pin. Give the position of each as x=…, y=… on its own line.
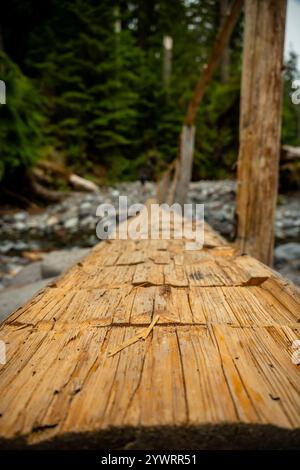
x=98, y=67
x=218, y=130
x=91, y=76
x=20, y=118
x=291, y=112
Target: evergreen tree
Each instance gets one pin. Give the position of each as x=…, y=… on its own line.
x=98, y=68
x=20, y=130
x=291, y=113
x=90, y=77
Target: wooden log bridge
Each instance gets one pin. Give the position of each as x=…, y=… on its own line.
x=214, y=370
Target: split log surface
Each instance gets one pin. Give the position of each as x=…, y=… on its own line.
x=215, y=371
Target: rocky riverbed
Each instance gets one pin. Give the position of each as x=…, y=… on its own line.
x=26, y=239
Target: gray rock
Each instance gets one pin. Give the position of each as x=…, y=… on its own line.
x=20, y=216
x=292, y=232
x=291, y=274
x=5, y=247
x=88, y=221
x=85, y=209
x=20, y=226
x=13, y=298
x=27, y=275
x=57, y=262
x=287, y=252
x=71, y=223
x=20, y=246
x=52, y=221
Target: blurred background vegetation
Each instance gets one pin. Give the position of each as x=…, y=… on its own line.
x=85, y=87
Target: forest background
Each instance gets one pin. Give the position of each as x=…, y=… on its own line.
x=87, y=87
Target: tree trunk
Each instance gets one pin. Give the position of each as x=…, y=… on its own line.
x=183, y=170
x=184, y=161
x=225, y=61
x=167, y=60
x=216, y=54
x=260, y=122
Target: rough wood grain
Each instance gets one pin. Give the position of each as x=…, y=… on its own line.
x=215, y=371
x=260, y=121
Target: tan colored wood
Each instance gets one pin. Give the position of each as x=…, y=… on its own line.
x=184, y=165
x=214, y=372
x=143, y=334
x=260, y=122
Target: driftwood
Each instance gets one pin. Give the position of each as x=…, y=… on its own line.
x=216, y=371
x=42, y=176
x=45, y=170
x=289, y=152
x=82, y=184
x=44, y=193
x=54, y=168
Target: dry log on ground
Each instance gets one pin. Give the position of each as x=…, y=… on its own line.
x=289, y=152
x=82, y=184
x=46, y=194
x=216, y=370
x=46, y=168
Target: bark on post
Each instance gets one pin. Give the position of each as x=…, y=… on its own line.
x=167, y=60
x=183, y=172
x=225, y=61
x=184, y=160
x=260, y=123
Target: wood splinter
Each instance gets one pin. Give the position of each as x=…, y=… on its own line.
x=255, y=281
x=142, y=335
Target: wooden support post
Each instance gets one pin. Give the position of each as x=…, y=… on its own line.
x=183, y=171
x=260, y=123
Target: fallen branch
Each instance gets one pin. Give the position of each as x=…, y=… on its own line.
x=48, y=195
x=82, y=184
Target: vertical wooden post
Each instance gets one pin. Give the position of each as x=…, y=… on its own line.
x=183, y=174
x=260, y=123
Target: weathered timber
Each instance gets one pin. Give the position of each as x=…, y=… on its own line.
x=184, y=166
x=260, y=122
x=214, y=371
